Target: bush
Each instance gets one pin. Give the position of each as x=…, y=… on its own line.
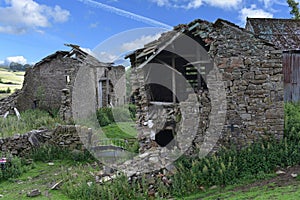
x=230, y=166
x=14, y=167
x=132, y=110
x=105, y=116
x=120, y=188
x=108, y=116
x=51, y=152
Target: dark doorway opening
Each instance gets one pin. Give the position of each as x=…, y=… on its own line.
x=164, y=137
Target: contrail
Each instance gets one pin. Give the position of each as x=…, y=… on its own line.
x=125, y=13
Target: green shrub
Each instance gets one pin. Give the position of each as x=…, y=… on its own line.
x=8, y=90
x=51, y=152
x=108, y=115
x=105, y=116
x=132, y=110
x=119, y=188
x=14, y=167
x=230, y=166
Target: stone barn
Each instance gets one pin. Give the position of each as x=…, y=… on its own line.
x=206, y=84
x=285, y=35
x=49, y=83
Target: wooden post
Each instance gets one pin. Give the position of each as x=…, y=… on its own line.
x=173, y=80
x=198, y=67
x=107, y=91
x=173, y=75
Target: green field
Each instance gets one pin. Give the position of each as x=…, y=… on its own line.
x=10, y=79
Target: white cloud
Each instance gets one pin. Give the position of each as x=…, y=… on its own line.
x=194, y=4
x=223, y=3
x=16, y=59
x=267, y=3
x=106, y=57
x=270, y=3
x=1, y=62
x=253, y=12
x=94, y=25
x=18, y=16
x=161, y=2
x=139, y=42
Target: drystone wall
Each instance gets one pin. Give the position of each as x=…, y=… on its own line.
x=66, y=136
x=8, y=104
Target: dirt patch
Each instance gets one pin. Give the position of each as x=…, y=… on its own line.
x=280, y=180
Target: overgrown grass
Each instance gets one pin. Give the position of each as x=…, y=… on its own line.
x=41, y=176
x=108, y=116
x=227, y=167
x=13, y=168
x=48, y=153
x=122, y=130
x=120, y=188
x=260, y=193
x=118, y=124
x=30, y=119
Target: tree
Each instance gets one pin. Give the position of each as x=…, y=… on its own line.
x=295, y=8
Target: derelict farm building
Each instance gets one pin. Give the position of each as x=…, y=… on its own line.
x=237, y=79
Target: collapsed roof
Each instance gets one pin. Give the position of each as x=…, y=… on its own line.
x=283, y=33
x=77, y=53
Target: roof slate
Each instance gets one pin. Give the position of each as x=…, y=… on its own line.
x=283, y=33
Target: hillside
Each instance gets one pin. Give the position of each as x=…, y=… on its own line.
x=9, y=81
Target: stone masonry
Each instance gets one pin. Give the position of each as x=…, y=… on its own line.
x=244, y=95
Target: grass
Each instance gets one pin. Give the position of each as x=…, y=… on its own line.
x=40, y=174
x=30, y=120
x=228, y=169
x=270, y=191
x=40, y=177
x=120, y=130
x=7, y=76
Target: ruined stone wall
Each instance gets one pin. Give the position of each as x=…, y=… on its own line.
x=249, y=71
x=43, y=84
x=252, y=72
x=67, y=136
x=8, y=104
x=118, y=79
x=83, y=89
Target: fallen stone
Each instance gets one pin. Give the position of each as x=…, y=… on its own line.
x=34, y=193
x=34, y=140
x=213, y=187
x=151, y=193
x=294, y=175
x=279, y=172
x=89, y=184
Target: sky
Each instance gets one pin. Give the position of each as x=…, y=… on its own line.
x=32, y=29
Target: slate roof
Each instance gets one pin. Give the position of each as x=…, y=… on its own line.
x=81, y=55
x=153, y=48
x=283, y=33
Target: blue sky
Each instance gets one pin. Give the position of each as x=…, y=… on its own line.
x=33, y=29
